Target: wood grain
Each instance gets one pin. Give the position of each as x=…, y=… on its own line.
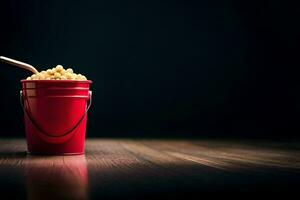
x=117, y=168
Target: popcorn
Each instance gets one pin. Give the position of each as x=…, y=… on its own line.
x=59, y=68
x=70, y=70
x=57, y=73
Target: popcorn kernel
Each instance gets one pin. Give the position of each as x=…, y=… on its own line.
x=70, y=70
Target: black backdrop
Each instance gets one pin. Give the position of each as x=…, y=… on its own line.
x=163, y=68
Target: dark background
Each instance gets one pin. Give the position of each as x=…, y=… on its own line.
x=208, y=68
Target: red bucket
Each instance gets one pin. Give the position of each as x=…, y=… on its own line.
x=55, y=114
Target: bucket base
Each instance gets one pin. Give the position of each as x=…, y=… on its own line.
x=54, y=154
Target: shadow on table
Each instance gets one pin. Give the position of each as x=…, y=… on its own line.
x=10, y=154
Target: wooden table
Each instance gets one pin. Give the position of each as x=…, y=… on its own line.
x=124, y=168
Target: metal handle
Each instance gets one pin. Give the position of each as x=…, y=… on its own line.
x=45, y=132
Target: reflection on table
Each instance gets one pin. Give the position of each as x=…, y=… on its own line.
x=57, y=177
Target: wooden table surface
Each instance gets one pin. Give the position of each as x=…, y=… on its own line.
x=124, y=168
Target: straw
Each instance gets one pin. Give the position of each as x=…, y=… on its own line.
x=19, y=64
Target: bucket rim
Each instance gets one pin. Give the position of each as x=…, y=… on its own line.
x=56, y=81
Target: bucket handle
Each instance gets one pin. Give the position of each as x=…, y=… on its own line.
x=33, y=122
